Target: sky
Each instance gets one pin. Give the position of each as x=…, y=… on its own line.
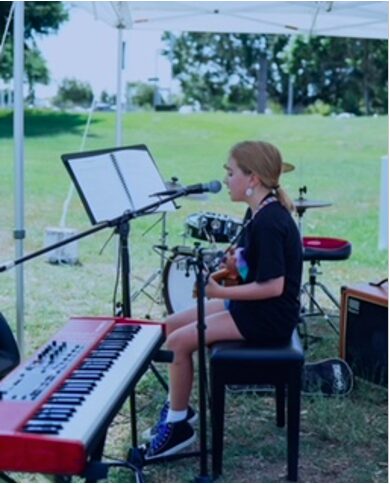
x=86, y=49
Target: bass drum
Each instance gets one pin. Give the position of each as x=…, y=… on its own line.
x=178, y=281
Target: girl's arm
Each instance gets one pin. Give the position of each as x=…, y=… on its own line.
x=246, y=292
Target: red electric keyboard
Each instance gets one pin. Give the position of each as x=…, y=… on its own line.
x=55, y=408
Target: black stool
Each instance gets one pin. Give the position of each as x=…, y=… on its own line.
x=242, y=363
x=315, y=250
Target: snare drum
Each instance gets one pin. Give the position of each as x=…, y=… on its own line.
x=212, y=226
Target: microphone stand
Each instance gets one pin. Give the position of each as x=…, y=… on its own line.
x=202, y=372
x=117, y=222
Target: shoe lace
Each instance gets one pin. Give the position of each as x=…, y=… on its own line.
x=162, y=417
x=162, y=435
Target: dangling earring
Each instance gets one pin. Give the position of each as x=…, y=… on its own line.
x=249, y=192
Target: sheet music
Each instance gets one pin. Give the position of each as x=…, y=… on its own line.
x=141, y=177
x=101, y=186
x=115, y=181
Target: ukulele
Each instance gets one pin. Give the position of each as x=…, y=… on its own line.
x=225, y=277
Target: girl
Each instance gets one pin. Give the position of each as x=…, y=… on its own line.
x=264, y=308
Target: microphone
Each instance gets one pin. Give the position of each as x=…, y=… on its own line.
x=214, y=187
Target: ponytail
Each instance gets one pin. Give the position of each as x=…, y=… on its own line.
x=283, y=198
x=265, y=160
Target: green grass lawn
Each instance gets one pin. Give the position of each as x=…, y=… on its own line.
x=338, y=160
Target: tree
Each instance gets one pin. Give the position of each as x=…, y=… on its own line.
x=240, y=71
x=225, y=71
x=348, y=74
x=72, y=92
x=140, y=94
x=41, y=18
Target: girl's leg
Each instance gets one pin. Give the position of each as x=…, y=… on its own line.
x=183, y=342
x=175, y=433
x=177, y=320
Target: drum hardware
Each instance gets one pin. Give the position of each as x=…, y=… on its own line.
x=309, y=307
x=302, y=204
x=212, y=227
x=160, y=249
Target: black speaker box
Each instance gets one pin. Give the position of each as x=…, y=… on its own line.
x=364, y=331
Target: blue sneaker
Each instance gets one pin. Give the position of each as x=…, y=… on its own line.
x=170, y=438
x=149, y=433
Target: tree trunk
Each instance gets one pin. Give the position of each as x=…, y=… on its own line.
x=366, y=75
x=290, y=98
x=262, y=84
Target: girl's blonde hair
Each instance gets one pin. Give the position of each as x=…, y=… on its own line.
x=264, y=160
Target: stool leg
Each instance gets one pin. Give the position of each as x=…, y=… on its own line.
x=217, y=418
x=294, y=405
x=280, y=404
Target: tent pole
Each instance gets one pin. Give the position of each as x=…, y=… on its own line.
x=18, y=126
x=120, y=67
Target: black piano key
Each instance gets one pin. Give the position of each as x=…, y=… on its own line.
x=54, y=411
x=43, y=428
x=52, y=418
x=75, y=392
x=90, y=375
x=120, y=337
x=79, y=384
x=126, y=329
x=76, y=383
x=95, y=367
x=66, y=400
x=105, y=354
x=109, y=343
x=58, y=408
x=92, y=363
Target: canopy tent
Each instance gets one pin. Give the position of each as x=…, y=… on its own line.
x=339, y=19
x=343, y=19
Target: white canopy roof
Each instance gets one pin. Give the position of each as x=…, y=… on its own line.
x=339, y=19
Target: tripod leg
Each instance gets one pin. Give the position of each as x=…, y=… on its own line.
x=329, y=294
x=321, y=312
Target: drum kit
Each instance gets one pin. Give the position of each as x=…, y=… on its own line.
x=176, y=275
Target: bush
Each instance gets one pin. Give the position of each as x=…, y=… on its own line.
x=319, y=107
x=140, y=95
x=72, y=92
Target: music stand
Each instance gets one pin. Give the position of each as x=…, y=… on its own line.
x=112, y=182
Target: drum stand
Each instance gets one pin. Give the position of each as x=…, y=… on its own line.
x=160, y=249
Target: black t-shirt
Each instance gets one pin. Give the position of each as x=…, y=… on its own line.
x=272, y=248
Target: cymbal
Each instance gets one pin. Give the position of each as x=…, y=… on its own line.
x=287, y=167
x=303, y=204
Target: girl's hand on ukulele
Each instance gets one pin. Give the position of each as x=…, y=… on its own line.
x=230, y=263
x=213, y=289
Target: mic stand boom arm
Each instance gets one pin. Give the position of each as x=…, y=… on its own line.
x=116, y=222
